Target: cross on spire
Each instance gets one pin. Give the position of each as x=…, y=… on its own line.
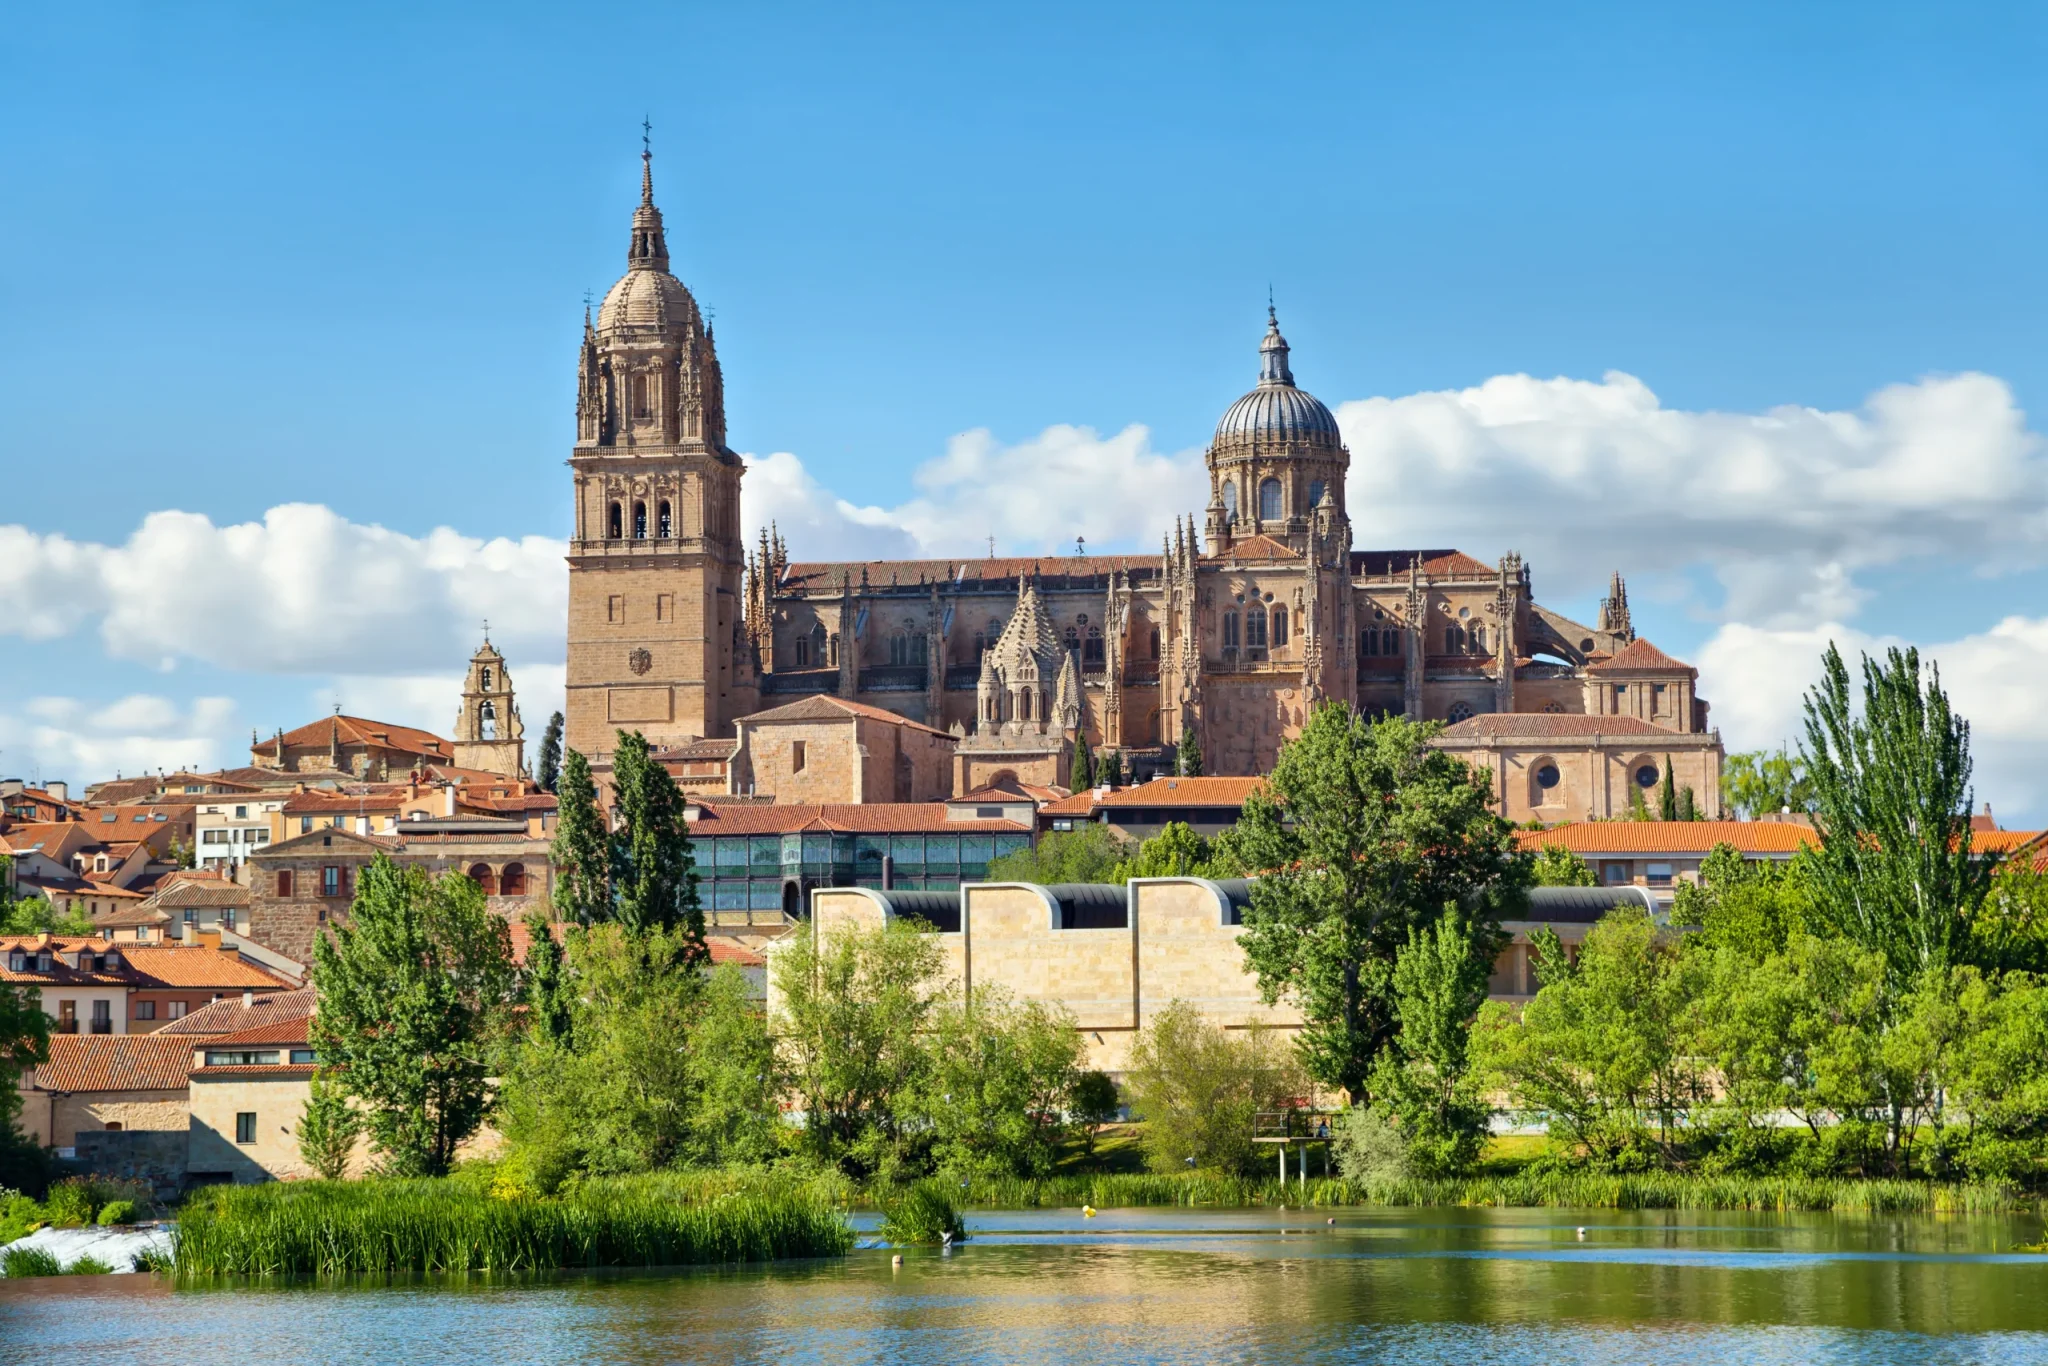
x=646, y=137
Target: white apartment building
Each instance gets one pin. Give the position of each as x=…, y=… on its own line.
x=230, y=829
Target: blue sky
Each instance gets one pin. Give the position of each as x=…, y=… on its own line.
x=260, y=258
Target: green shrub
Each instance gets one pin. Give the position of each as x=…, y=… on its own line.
x=70, y=1203
x=88, y=1265
x=19, y=1217
x=155, y=1261
x=1370, y=1148
x=28, y=1261
x=922, y=1214
x=117, y=1212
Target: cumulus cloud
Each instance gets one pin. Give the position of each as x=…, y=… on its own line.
x=62, y=736
x=1757, y=675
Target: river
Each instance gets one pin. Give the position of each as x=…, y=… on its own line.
x=1161, y=1286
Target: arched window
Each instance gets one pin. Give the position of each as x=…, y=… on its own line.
x=1091, y=649
x=834, y=661
x=614, y=527
x=1230, y=632
x=639, y=521
x=1454, y=640
x=1269, y=501
x=1279, y=627
x=908, y=648
x=1460, y=711
x=1547, y=783
x=1024, y=705
x=1315, y=493
x=1553, y=708
x=1073, y=640
x=487, y=721
x=1390, y=642
x=1229, y=500
x=803, y=652
x=485, y=676
x=1255, y=627
x=512, y=882
x=1368, y=643
x=640, y=396
x=665, y=523
x=1477, y=637
x=482, y=876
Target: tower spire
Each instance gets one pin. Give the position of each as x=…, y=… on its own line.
x=650, y=248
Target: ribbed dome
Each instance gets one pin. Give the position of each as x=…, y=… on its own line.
x=647, y=298
x=1277, y=411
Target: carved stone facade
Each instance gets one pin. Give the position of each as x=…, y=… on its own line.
x=489, y=735
x=1246, y=619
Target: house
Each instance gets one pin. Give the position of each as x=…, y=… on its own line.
x=351, y=746
x=234, y=1014
x=83, y=981
x=36, y=805
x=831, y=750
x=105, y=1083
x=170, y=981
x=247, y=1092
x=1209, y=806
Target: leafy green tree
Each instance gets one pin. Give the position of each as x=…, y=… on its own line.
x=737, y=1074
x=1688, y=805
x=1367, y=833
x=1094, y=1103
x=1667, y=795
x=1081, y=773
x=550, y=996
x=1109, y=768
x=1197, y=1088
x=1557, y=866
x=1758, y=783
x=1176, y=851
x=24, y=1044
x=1093, y=853
x=1753, y=908
x=654, y=873
x=854, y=1007
x=34, y=913
x=581, y=852
x=412, y=989
x=547, y=769
x=2008, y=929
x=1001, y=1078
x=1425, y=1080
x=1892, y=799
x=1638, y=807
x=328, y=1128
x=1189, y=756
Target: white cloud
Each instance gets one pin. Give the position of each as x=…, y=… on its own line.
x=1756, y=677
x=60, y=737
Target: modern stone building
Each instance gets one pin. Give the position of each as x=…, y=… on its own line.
x=1250, y=614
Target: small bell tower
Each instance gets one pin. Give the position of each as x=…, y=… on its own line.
x=488, y=732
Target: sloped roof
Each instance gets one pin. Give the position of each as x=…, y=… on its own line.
x=1203, y=791
x=231, y=1016
x=1256, y=546
x=357, y=730
x=825, y=708
x=60, y=974
x=873, y=818
x=282, y=1030
x=1671, y=837
x=1639, y=656
x=196, y=966
x=183, y=894
x=1534, y=725
x=115, y=1062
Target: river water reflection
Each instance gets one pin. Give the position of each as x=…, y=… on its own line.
x=1166, y=1286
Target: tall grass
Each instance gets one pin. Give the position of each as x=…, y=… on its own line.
x=397, y=1227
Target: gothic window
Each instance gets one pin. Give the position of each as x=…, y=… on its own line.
x=1477, y=636
x=1255, y=627
x=1315, y=493
x=487, y=722
x=1460, y=711
x=664, y=525
x=640, y=396
x=512, y=882
x=1230, y=632
x=835, y=650
x=1091, y=649
x=908, y=648
x=1073, y=640
x=1454, y=640
x=482, y=876
x=639, y=521
x=1368, y=643
x=1024, y=705
x=614, y=527
x=1269, y=501
x=1553, y=708
x=1279, y=627
x=1155, y=642
x=1229, y=500
x=803, y=652
x=1390, y=642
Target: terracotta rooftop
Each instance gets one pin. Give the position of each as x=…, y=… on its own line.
x=60, y=974
x=869, y=818
x=144, y=914
x=342, y=804
x=183, y=894
x=1537, y=725
x=1253, y=547
x=700, y=749
x=356, y=730
x=231, y=1016
x=1670, y=837
x=1204, y=791
x=825, y=707
x=1639, y=657
x=197, y=967
x=115, y=1062
x=283, y=1030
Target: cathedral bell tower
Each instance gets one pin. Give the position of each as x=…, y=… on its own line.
x=656, y=560
x=488, y=732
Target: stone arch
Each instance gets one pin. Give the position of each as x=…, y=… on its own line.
x=1272, y=500
x=512, y=882
x=1546, y=781
x=483, y=877
x=1460, y=711
x=664, y=522
x=615, y=523
x=639, y=520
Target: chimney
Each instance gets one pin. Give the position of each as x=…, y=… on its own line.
x=62, y=792
x=248, y=999
x=362, y=825
x=451, y=800
x=10, y=786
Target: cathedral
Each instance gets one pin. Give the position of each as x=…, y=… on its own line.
x=1247, y=616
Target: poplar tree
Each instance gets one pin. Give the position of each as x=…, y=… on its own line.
x=1891, y=790
x=549, y=993
x=581, y=852
x=1081, y=775
x=548, y=770
x=654, y=873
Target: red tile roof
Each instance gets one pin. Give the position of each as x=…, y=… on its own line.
x=59, y=974
x=1206, y=791
x=877, y=818
x=2007, y=842
x=256, y=1071
x=115, y=1062
x=1640, y=657
x=227, y=1017
x=158, y=966
x=1670, y=837
x=1253, y=547
x=285, y=1031
x=355, y=730
x=829, y=708
x=1531, y=725
x=339, y=804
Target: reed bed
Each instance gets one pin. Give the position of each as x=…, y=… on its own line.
x=389, y=1227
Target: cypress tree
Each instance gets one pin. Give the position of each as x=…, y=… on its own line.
x=1109, y=768
x=547, y=987
x=1190, y=752
x=581, y=852
x=1081, y=775
x=548, y=769
x=1667, y=795
x=1688, y=805
x=654, y=873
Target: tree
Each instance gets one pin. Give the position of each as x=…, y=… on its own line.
x=1092, y=853
x=1081, y=773
x=1688, y=805
x=1366, y=832
x=1758, y=783
x=1094, y=1103
x=1189, y=757
x=181, y=854
x=1425, y=1080
x=1667, y=795
x=581, y=852
x=1892, y=799
x=1176, y=851
x=1638, y=807
x=35, y=913
x=1109, y=768
x=550, y=995
x=1753, y=908
x=548, y=768
x=654, y=874
x=1197, y=1088
x=24, y=1044
x=411, y=990
x=1557, y=866
x=328, y=1129
x=2008, y=929
x=1001, y=1079
x=854, y=1006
